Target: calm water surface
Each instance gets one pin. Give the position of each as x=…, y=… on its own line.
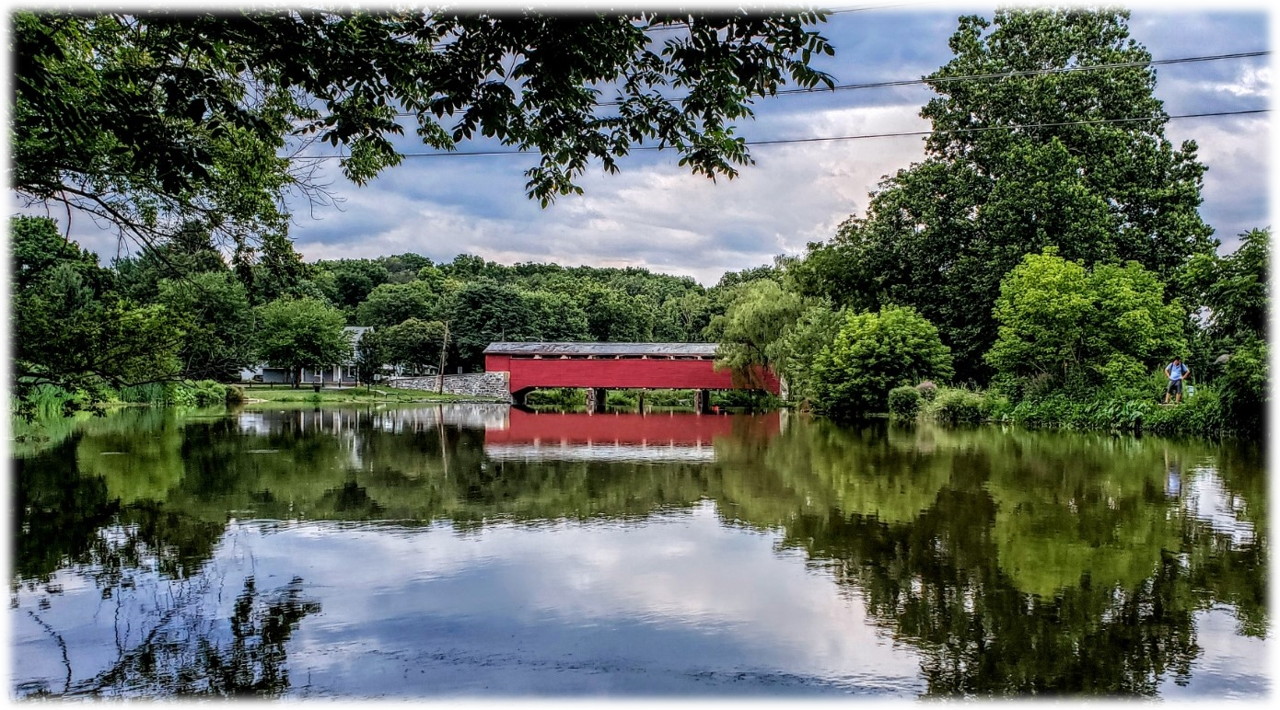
x=473, y=550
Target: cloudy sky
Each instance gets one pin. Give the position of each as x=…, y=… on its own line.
x=657, y=215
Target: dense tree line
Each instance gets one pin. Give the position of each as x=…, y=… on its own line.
x=184, y=311
x=1049, y=247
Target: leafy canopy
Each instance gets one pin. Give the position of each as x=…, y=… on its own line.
x=414, y=344
x=794, y=352
x=1234, y=288
x=151, y=119
x=393, y=303
x=758, y=314
x=217, y=320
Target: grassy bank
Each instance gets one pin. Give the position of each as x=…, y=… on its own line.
x=48, y=403
x=262, y=394
x=1201, y=414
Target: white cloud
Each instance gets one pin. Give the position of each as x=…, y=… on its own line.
x=654, y=214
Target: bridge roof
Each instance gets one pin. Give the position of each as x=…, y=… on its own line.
x=703, y=349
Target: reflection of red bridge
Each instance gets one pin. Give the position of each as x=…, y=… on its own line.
x=680, y=428
x=675, y=436
x=597, y=367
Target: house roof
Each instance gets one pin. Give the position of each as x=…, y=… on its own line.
x=356, y=331
x=606, y=349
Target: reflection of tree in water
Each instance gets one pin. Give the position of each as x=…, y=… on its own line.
x=180, y=655
x=1040, y=571
x=934, y=584
x=63, y=517
x=57, y=512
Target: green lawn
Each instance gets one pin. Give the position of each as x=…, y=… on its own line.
x=261, y=394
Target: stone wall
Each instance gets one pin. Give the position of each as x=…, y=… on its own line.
x=490, y=385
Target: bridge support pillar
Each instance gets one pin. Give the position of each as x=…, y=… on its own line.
x=702, y=401
x=641, y=401
x=595, y=399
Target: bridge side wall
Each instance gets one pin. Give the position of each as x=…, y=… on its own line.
x=618, y=374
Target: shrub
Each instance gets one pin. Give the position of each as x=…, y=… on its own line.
x=207, y=393
x=904, y=402
x=956, y=406
x=149, y=393
x=928, y=390
x=236, y=395
x=1243, y=387
x=1202, y=413
x=669, y=398
x=47, y=400
x=622, y=398
x=872, y=354
x=746, y=399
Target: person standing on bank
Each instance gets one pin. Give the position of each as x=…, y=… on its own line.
x=1176, y=372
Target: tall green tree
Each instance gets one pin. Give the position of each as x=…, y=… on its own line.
x=558, y=317
x=391, y=304
x=1037, y=155
x=683, y=317
x=1234, y=289
x=796, y=351
x=371, y=355
x=414, y=344
x=615, y=317
x=1109, y=326
x=483, y=312
x=1233, y=338
x=218, y=324
x=302, y=332
x=353, y=280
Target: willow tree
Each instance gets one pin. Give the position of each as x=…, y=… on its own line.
x=1046, y=132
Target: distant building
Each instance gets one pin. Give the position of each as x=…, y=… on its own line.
x=343, y=373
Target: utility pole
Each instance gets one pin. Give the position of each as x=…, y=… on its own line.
x=444, y=347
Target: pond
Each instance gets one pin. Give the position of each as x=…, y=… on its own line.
x=480, y=550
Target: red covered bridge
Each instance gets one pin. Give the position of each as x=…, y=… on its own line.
x=597, y=367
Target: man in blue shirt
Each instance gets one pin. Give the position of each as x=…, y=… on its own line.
x=1176, y=372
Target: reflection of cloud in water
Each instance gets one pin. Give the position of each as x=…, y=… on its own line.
x=1230, y=667
x=655, y=603
x=1209, y=500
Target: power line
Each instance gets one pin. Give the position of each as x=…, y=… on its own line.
x=827, y=139
x=868, y=8
x=1000, y=75
x=981, y=77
